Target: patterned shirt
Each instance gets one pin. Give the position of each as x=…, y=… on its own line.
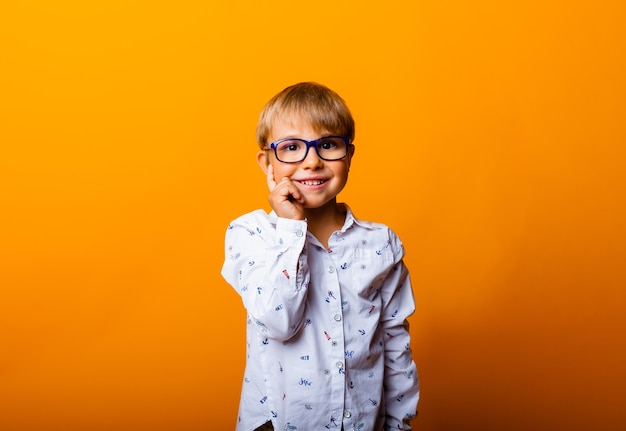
x=327, y=336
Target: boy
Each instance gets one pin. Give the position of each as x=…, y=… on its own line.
x=327, y=295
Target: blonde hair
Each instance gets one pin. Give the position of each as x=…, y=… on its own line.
x=317, y=104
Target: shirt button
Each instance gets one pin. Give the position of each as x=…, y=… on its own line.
x=299, y=233
x=339, y=364
x=331, y=269
x=338, y=317
x=347, y=414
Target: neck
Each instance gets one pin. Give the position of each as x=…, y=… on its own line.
x=325, y=220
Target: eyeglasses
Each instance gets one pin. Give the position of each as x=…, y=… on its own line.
x=293, y=150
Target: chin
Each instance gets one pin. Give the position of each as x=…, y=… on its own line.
x=316, y=204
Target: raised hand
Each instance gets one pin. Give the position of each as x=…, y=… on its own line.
x=285, y=198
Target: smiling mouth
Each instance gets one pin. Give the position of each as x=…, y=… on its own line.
x=312, y=182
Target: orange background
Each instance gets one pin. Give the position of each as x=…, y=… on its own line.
x=490, y=136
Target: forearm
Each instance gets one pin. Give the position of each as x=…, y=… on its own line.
x=401, y=382
x=270, y=272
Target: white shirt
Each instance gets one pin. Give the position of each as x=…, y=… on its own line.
x=327, y=337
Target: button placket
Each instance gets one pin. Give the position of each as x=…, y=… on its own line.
x=335, y=319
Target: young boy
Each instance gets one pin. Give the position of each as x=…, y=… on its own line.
x=327, y=294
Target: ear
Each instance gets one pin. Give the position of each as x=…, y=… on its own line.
x=351, y=150
x=262, y=160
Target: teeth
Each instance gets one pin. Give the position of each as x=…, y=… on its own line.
x=312, y=183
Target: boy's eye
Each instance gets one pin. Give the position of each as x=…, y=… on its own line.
x=327, y=144
x=288, y=146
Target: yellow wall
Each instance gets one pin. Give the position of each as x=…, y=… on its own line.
x=490, y=136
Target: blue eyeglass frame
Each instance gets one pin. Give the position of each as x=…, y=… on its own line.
x=310, y=144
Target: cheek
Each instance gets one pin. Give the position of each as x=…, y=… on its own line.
x=281, y=170
x=343, y=171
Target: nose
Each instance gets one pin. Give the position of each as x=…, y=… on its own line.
x=312, y=159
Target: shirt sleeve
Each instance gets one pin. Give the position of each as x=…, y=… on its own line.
x=401, y=383
x=266, y=264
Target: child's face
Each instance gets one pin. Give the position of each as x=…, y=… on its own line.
x=319, y=181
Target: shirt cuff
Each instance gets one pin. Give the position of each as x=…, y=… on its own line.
x=290, y=229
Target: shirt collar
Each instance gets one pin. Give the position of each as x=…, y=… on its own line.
x=349, y=223
x=351, y=220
